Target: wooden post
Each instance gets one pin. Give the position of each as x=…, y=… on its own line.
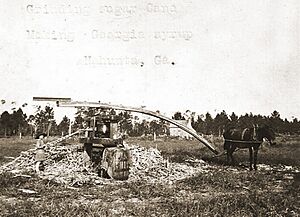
x=49, y=128
x=70, y=128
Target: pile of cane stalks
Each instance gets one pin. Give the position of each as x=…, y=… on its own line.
x=66, y=165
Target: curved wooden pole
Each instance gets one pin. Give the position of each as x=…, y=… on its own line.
x=143, y=111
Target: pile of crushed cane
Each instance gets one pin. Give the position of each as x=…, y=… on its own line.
x=65, y=165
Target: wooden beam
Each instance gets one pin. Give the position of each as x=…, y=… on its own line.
x=143, y=111
x=54, y=99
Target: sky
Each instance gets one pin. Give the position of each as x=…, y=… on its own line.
x=206, y=56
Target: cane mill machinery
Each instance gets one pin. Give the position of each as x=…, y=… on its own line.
x=102, y=139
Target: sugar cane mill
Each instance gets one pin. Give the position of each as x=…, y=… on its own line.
x=101, y=137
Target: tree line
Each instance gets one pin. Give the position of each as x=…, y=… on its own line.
x=18, y=123
x=216, y=126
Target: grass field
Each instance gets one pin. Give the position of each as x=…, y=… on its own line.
x=286, y=151
x=11, y=147
x=221, y=191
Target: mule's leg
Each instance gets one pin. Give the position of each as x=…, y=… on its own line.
x=251, y=157
x=255, y=157
x=228, y=157
x=226, y=147
x=233, y=162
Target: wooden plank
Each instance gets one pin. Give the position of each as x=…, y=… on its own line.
x=54, y=99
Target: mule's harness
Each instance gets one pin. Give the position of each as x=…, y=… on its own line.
x=237, y=141
x=243, y=141
x=254, y=141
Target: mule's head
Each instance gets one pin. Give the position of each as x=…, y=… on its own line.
x=266, y=132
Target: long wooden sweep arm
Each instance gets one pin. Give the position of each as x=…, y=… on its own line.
x=143, y=111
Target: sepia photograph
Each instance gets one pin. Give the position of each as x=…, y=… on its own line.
x=149, y=108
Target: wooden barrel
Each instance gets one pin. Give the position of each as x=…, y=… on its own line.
x=116, y=162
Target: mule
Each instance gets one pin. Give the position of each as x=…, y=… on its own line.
x=250, y=138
